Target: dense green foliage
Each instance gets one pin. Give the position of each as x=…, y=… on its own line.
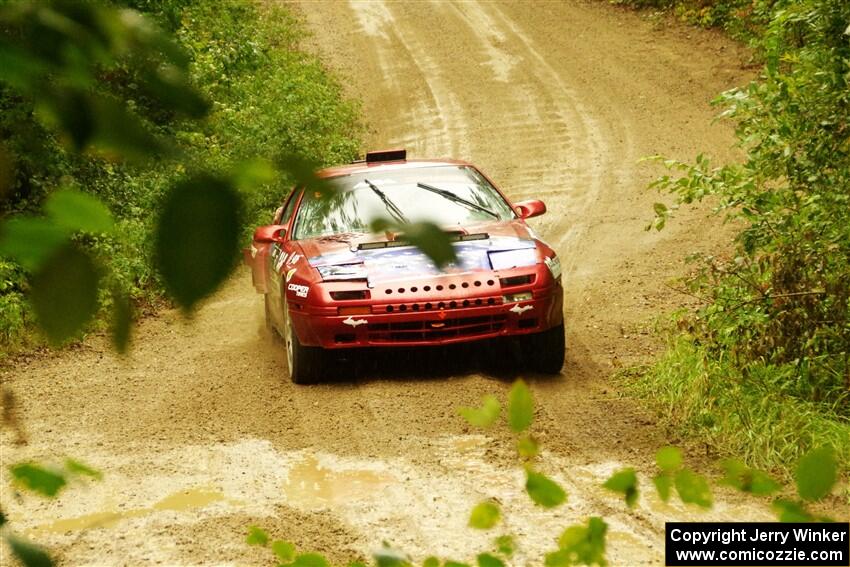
x=258, y=94
x=764, y=366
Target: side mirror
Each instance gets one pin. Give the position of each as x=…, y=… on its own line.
x=530, y=208
x=270, y=233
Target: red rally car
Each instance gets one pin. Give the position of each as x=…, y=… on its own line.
x=330, y=283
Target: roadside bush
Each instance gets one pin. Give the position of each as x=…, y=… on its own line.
x=776, y=321
x=743, y=19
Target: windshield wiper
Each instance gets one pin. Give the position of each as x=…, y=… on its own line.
x=391, y=207
x=456, y=199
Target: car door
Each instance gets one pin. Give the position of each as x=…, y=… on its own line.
x=276, y=258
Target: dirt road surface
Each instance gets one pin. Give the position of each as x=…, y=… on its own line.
x=199, y=432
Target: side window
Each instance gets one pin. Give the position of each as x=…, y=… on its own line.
x=283, y=214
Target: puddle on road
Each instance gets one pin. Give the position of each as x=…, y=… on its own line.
x=189, y=499
x=468, y=443
x=179, y=501
x=96, y=520
x=309, y=483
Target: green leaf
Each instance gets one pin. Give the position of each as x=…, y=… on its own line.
x=174, y=92
x=431, y=240
x=71, y=112
x=450, y=563
x=669, y=458
x=251, y=174
x=745, y=479
x=81, y=469
x=693, y=488
x=816, y=473
x=544, y=491
x=283, y=550
x=572, y=536
x=790, y=511
x=64, y=293
x=77, y=211
x=560, y=558
x=520, y=407
x=485, y=515
x=197, y=238
x=431, y=562
x=303, y=173
x=30, y=555
x=505, y=544
x=133, y=139
x=257, y=536
x=361, y=564
x=38, y=479
x=30, y=240
x=310, y=560
x=390, y=557
x=122, y=321
x=487, y=560
x=486, y=415
x=583, y=545
x=527, y=447
x=19, y=68
x=625, y=482
x=663, y=484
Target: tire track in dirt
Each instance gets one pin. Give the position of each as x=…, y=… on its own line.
x=555, y=102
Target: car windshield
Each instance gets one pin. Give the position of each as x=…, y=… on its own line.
x=404, y=194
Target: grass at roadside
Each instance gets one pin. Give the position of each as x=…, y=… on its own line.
x=749, y=417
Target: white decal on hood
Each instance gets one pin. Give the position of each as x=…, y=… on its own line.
x=300, y=290
x=354, y=322
x=520, y=309
x=294, y=258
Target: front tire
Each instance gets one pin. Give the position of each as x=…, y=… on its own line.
x=545, y=352
x=306, y=364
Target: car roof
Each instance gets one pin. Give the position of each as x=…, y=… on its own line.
x=362, y=166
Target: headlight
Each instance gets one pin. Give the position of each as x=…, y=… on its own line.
x=514, y=297
x=513, y=258
x=554, y=265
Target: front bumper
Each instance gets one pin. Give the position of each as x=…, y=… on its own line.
x=456, y=322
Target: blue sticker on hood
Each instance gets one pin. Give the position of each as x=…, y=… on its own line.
x=401, y=262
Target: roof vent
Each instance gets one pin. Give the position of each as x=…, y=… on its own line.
x=386, y=155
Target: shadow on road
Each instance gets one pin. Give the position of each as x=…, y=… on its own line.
x=501, y=360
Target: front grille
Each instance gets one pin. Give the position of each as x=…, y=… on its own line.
x=436, y=329
x=437, y=305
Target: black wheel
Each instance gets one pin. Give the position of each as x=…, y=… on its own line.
x=306, y=364
x=544, y=352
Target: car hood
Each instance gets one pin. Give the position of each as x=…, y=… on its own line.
x=376, y=257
